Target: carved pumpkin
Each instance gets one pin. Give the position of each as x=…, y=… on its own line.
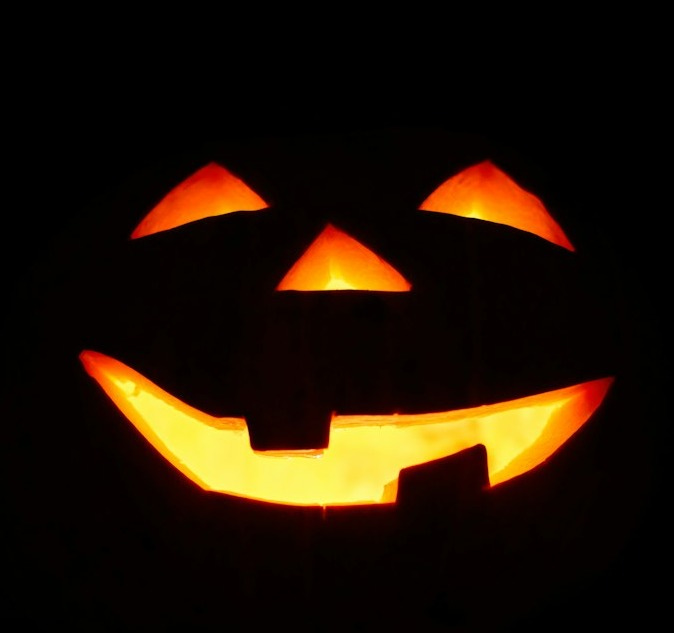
x=364, y=452
x=377, y=371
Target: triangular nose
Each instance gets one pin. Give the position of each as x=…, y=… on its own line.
x=336, y=261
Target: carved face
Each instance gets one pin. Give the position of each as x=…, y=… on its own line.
x=357, y=454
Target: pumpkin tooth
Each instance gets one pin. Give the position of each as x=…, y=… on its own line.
x=459, y=476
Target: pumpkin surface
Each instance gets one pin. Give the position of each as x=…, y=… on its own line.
x=342, y=326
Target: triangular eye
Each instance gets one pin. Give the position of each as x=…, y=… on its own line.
x=210, y=191
x=336, y=261
x=484, y=192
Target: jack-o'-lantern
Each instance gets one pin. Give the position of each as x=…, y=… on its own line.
x=371, y=371
x=364, y=453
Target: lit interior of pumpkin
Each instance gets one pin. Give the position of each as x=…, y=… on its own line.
x=365, y=454
x=210, y=191
x=336, y=261
x=484, y=192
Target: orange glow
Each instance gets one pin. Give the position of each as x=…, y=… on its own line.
x=484, y=192
x=210, y=191
x=336, y=261
x=366, y=453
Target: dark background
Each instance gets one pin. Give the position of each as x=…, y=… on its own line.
x=82, y=151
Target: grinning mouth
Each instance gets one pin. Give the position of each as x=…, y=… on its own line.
x=365, y=454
